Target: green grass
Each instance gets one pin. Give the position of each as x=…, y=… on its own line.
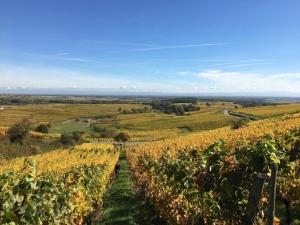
x=70, y=126
x=122, y=205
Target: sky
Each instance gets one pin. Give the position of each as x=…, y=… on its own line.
x=166, y=46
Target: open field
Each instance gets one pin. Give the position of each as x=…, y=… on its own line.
x=271, y=111
x=141, y=126
x=58, y=113
x=155, y=125
x=70, y=125
x=68, y=118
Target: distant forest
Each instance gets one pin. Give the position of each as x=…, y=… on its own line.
x=166, y=104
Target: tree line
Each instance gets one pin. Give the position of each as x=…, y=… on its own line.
x=174, y=107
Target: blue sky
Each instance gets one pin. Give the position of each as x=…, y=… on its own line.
x=207, y=46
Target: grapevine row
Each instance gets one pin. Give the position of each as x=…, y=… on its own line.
x=65, y=195
x=210, y=183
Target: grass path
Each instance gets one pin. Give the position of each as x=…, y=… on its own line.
x=122, y=205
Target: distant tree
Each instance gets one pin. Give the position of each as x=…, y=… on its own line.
x=77, y=136
x=125, y=111
x=208, y=104
x=103, y=131
x=190, y=107
x=122, y=137
x=179, y=110
x=18, y=132
x=42, y=128
x=236, y=124
x=66, y=139
x=147, y=109
x=191, y=100
x=176, y=107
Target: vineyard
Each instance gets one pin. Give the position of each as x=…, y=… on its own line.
x=60, y=187
x=270, y=111
x=190, y=178
x=205, y=178
x=203, y=139
x=155, y=112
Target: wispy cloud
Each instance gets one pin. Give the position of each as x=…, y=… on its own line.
x=118, y=43
x=26, y=76
x=13, y=76
x=68, y=57
x=105, y=42
x=251, y=82
x=65, y=57
x=235, y=65
x=210, y=81
x=240, y=63
x=218, y=64
x=177, y=46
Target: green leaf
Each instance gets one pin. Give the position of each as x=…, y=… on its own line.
x=274, y=158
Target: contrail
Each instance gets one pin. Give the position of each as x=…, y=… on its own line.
x=177, y=46
x=119, y=43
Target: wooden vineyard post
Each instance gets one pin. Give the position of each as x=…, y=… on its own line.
x=272, y=195
x=253, y=201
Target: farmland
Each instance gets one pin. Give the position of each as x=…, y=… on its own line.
x=62, y=160
x=191, y=178
x=47, y=182
x=58, y=113
x=141, y=126
x=185, y=166
x=68, y=118
x=149, y=112
x=271, y=111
